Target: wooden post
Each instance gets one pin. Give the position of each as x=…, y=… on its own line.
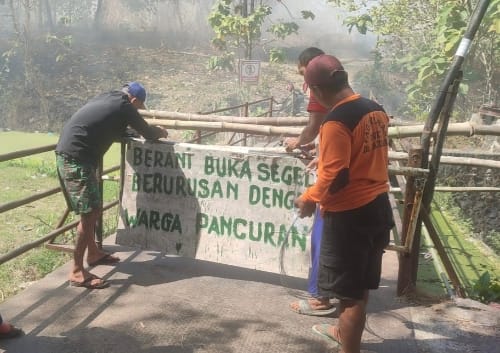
x=246, y=115
x=197, y=136
x=60, y=223
x=99, y=224
x=270, y=114
x=408, y=262
x=123, y=151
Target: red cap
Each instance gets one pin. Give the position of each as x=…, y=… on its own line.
x=320, y=70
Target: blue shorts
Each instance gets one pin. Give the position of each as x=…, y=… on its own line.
x=352, y=246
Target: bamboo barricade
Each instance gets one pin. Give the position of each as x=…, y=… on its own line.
x=457, y=129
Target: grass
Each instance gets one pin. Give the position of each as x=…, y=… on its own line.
x=26, y=176
x=469, y=257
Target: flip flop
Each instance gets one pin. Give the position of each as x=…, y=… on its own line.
x=87, y=283
x=322, y=330
x=305, y=308
x=13, y=332
x=107, y=259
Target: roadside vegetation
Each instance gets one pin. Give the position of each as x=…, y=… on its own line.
x=477, y=265
x=24, y=177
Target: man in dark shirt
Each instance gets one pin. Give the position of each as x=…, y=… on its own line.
x=83, y=142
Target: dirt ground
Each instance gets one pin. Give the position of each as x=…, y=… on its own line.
x=175, y=81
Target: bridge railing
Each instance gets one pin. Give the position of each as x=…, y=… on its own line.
x=61, y=227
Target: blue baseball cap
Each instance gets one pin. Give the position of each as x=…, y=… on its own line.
x=137, y=90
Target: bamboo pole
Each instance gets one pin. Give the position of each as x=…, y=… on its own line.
x=408, y=171
x=276, y=121
x=458, y=189
x=407, y=259
x=223, y=127
x=457, y=129
x=475, y=162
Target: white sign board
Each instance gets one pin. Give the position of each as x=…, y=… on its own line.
x=223, y=204
x=249, y=71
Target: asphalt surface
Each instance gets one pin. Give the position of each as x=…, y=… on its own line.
x=165, y=304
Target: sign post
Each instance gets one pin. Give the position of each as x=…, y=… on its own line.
x=249, y=71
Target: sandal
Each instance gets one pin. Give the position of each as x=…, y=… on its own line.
x=92, y=282
x=323, y=331
x=107, y=259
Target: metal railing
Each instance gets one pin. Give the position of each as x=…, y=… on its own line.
x=61, y=227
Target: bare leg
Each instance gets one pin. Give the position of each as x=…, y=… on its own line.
x=351, y=324
x=85, y=232
x=93, y=252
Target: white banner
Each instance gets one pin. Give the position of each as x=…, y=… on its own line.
x=230, y=205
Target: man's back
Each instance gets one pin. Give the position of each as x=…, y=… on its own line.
x=93, y=128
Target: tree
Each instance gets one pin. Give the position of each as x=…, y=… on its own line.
x=238, y=25
x=418, y=39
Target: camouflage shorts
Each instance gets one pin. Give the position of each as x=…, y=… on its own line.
x=79, y=184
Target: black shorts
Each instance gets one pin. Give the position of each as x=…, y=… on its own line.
x=351, y=249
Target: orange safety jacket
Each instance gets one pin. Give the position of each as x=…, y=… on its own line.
x=353, y=156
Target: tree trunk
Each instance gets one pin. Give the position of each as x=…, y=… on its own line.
x=48, y=14
x=98, y=14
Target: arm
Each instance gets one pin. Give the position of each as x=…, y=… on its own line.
x=334, y=160
x=149, y=132
x=309, y=132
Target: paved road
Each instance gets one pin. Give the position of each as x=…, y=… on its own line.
x=164, y=304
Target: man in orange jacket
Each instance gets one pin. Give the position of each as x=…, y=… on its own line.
x=352, y=190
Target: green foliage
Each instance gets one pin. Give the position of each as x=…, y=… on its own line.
x=307, y=15
x=284, y=29
x=486, y=289
x=361, y=23
x=235, y=30
x=239, y=28
x=276, y=55
x=421, y=44
x=222, y=62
